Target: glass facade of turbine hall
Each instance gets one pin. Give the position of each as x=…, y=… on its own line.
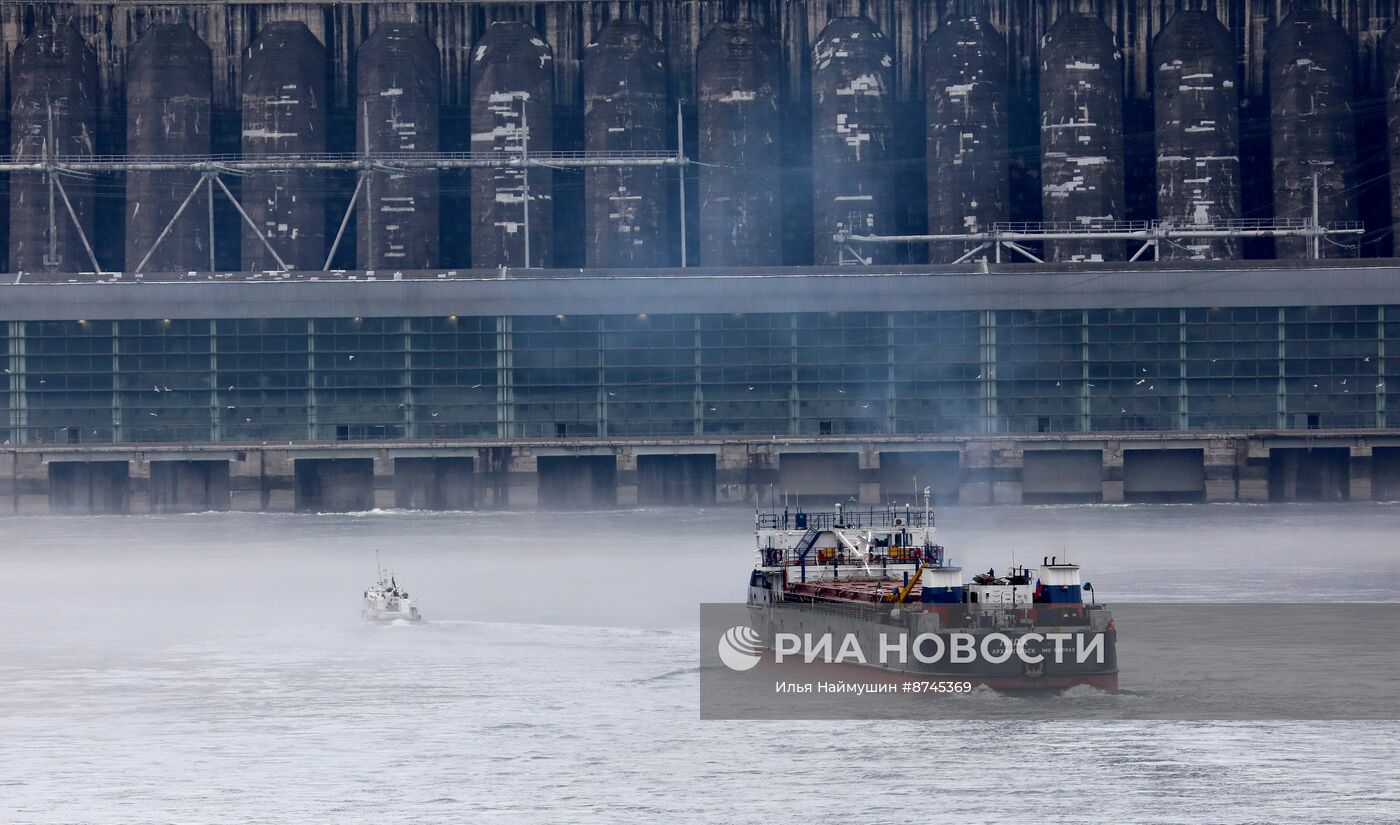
x=837, y=373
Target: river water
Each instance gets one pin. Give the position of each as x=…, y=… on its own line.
x=214, y=668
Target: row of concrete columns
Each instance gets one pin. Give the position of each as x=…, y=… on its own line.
x=816, y=476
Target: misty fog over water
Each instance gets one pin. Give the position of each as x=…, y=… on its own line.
x=215, y=668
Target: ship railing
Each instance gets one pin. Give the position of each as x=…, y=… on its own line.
x=853, y=518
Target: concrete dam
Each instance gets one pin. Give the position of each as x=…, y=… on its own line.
x=336, y=256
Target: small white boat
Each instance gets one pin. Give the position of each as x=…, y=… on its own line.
x=386, y=601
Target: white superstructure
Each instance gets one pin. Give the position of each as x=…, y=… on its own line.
x=386, y=601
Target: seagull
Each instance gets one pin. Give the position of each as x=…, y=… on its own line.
x=231, y=407
x=750, y=388
x=153, y=415
x=843, y=392
x=156, y=388
x=352, y=358
x=435, y=415
x=611, y=394
x=474, y=386
x=230, y=388
x=167, y=389
x=1141, y=381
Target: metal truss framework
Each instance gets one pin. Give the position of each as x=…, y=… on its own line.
x=211, y=168
x=1152, y=234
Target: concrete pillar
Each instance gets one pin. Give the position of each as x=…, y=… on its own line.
x=138, y=483
x=1008, y=472
x=1251, y=465
x=762, y=475
x=28, y=479
x=975, y=473
x=626, y=468
x=88, y=486
x=1221, y=468
x=1113, y=478
x=447, y=483
x=492, y=484
x=522, y=479
x=1361, y=487
x=869, y=476
x=732, y=475
x=334, y=484
x=8, y=483
x=188, y=486
x=246, y=487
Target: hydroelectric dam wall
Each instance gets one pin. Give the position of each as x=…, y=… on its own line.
x=806, y=116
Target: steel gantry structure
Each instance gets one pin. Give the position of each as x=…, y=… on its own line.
x=55, y=167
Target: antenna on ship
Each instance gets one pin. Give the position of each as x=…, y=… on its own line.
x=378, y=568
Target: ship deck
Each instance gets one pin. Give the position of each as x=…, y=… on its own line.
x=852, y=591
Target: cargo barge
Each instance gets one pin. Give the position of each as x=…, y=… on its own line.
x=876, y=581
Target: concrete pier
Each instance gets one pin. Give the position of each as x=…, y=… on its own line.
x=593, y=473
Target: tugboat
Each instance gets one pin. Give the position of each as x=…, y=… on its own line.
x=871, y=575
x=386, y=601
